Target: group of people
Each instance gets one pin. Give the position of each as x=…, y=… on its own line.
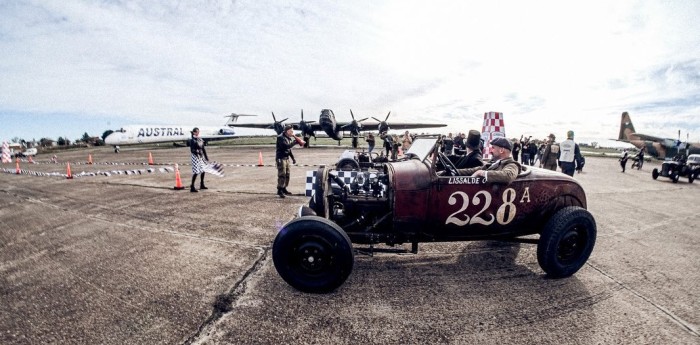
x=504, y=167
x=283, y=154
x=638, y=159
x=392, y=143
x=527, y=150
x=465, y=149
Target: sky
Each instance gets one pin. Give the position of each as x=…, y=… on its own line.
x=75, y=67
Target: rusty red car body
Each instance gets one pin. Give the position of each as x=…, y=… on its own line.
x=408, y=201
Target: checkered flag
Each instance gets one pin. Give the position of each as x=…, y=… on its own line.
x=214, y=168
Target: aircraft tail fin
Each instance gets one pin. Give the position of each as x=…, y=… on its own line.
x=233, y=118
x=626, y=127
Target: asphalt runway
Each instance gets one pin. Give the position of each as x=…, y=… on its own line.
x=114, y=258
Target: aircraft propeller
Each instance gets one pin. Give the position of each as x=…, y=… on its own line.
x=383, y=125
x=278, y=126
x=355, y=126
x=306, y=129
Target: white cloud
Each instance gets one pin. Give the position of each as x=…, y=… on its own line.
x=549, y=66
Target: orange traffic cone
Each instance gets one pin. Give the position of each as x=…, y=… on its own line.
x=178, y=181
x=89, y=158
x=150, y=159
x=260, y=162
x=68, y=174
x=17, y=166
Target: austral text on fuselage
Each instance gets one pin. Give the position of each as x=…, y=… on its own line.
x=160, y=131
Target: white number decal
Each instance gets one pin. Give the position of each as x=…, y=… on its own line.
x=487, y=202
x=504, y=215
x=453, y=219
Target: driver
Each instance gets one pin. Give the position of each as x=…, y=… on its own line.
x=502, y=169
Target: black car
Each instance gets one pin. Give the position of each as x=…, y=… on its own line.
x=676, y=169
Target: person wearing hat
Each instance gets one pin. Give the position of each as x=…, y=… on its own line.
x=551, y=152
x=199, y=159
x=473, y=157
x=285, y=141
x=570, y=158
x=503, y=169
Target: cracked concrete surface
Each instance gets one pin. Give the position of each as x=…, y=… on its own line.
x=125, y=259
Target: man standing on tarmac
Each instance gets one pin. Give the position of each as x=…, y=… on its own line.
x=285, y=141
x=551, y=152
x=569, y=155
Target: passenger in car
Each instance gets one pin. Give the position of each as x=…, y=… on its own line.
x=473, y=157
x=502, y=169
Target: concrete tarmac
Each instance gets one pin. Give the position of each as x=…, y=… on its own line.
x=125, y=259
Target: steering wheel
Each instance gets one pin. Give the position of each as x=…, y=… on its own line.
x=450, y=169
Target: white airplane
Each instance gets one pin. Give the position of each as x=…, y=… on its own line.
x=16, y=150
x=147, y=134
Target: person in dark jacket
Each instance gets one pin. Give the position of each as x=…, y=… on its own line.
x=370, y=142
x=473, y=157
x=532, y=149
x=447, y=144
x=199, y=159
x=458, y=144
x=387, y=142
x=285, y=141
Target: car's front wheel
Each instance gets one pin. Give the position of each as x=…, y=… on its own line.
x=655, y=173
x=566, y=242
x=313, y=254
x=674, y=177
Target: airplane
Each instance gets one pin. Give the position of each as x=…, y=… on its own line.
x=146, y=134
x=661, y=148
x=15, y=150
x=335, y=129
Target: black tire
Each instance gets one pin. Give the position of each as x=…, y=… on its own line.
x=354, y=142
x=566, y=242
x=691, y=177
x=347, y=164
x=655, y=173
x=313, y=254
x=674, y=177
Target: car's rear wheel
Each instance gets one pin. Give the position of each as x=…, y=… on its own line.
x=655, y=173
x=691, y=178
x=566, y=242
x=313, y=254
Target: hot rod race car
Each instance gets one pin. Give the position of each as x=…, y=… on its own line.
x=676, y=169
x=408, y=201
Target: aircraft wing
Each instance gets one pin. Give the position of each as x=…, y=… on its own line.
x=372, y=126
x=253, y=125
x=649, y=137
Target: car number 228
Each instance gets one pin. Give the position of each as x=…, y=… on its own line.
x=504, y=215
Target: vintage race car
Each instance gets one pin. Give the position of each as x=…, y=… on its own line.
x=676, y=169
x=409, y=201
